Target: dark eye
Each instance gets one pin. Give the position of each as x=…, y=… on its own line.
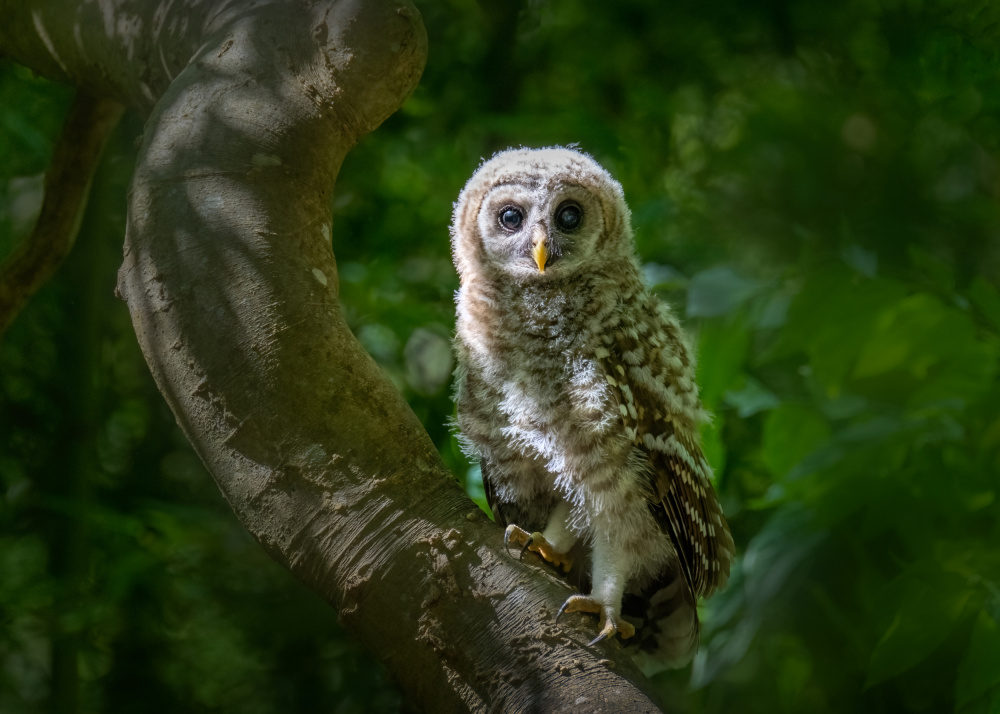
x=510, y=218
x=568, y=216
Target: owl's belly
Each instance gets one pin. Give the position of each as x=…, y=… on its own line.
x=563, y=415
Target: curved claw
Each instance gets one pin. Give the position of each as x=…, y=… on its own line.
x=562, y=610
x=600, y=638
x=537, y=543
x=518, y=535
x=527, y=544
x=610, y=629
x=611, y=620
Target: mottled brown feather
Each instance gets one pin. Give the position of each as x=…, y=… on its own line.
x=681, y=498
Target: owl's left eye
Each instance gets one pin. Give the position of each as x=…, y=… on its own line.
x=568, y=216
x=510, y=218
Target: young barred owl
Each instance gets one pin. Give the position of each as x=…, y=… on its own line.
x=576, y=393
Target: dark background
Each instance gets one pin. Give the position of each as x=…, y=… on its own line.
x=814, y=188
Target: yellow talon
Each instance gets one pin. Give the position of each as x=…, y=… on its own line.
x=536, y=543
x=611, y=622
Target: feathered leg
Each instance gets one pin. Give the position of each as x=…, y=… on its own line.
x=610, y=572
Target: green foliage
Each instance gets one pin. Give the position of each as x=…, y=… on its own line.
x=814, y=187
x=880, y=460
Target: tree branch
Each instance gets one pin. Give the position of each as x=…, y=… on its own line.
x=232, y=288
x=75, y=159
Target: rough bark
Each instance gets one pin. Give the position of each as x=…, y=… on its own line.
x=232, y=287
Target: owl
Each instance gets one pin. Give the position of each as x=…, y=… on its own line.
x=575, y=391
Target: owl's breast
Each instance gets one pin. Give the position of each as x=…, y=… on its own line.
x=556, y=404
x=532, y=373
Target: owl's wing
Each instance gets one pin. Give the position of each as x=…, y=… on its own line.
x=685, y=505
x=681, y=496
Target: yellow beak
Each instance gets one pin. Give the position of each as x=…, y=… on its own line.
x=541, y=254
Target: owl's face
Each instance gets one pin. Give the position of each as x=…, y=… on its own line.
x=537, y=227
x=538, y=215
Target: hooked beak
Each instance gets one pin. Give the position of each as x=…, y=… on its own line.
x=540, y=249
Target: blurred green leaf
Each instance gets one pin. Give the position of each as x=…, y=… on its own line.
x=923, y=606
x=753, y=397
x=722, y=349
x=718, y=291
x=474, y=487
x=863, y=261
x=831, y=320
x=980, y=668
x=791, y=432
x=938, y=271
x=921, y=336
x=985, y=297
x=713, y=446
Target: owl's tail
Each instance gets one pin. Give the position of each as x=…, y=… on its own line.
x=670, y=629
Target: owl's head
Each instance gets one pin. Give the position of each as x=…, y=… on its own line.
x=532, y=215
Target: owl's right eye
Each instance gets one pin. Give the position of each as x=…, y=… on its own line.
x=510, y=218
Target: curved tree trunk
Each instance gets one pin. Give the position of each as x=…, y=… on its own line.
x=232, y=287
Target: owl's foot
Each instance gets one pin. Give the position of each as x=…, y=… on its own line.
x=536, y=543
x=611, y=623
